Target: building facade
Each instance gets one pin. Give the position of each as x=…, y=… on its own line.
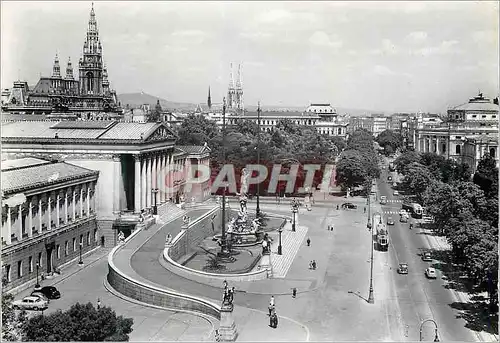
x=89, y=96
x=475, y=147
x=48, y=217
x=477, y=117
x=134, y=160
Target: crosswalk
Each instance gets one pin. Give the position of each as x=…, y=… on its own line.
x=390, y=212
x=291, y=242
x=394, y=201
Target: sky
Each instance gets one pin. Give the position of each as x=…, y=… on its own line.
x=381, y=56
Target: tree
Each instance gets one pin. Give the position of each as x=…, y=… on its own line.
x=350, y=170
x=486, y=176
x=417, y=179
x=12, y=323
x=406, y=159
x=390, y=141
x=197, y=130
x=79, y=323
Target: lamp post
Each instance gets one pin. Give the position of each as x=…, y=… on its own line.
x=436, y=337
x=279, y=245
x=371, y=299
x=294, y=212
x=155, y=207
x=37, y=283
x=224, y=251
x=81, y=261
x=257, y=211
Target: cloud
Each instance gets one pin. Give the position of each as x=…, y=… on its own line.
x=417, y=37
x=322, y=39
x=485, y=37
x=445, y=48
x=387, y=48
x=385, y=71
x=189, y=37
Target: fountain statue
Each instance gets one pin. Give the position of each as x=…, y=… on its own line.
x=243, y=189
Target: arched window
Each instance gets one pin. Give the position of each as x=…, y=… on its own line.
x=90, y=78
x=492, y=152
x=457, y=149
x=340, y=131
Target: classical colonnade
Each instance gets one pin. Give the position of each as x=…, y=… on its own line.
x=47, y=211
x=438, y=145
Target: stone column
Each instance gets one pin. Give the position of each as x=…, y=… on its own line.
x=19, y=231
x=40, y=220
x=57, y=210
x=88, y=199
x=8, y=232
x=30, y=219
x=73, y=207
x=429, y=144
x=117, y=177
x=94, y=190
x=144, y=164
x=49, y=212
x=81, y=202
x=161, y=182
x=137, y=183
x=154, y=177
x=148, y=182
x=66, y=207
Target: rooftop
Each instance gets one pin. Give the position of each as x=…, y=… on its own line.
x=35, y=175
x=22, y=163
x=477, y=103
x=194, y=149
x=483, y=138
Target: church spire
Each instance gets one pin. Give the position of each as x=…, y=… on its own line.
x=69, y=70
x=231, y=78
x=209, y=101
x=238, y=80
x=92, y=43
x=56, y=69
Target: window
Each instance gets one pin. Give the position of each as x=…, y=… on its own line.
x=7, y=273
x=40, y=264
x=457, y=150
x=30, y=264
x=88, y=238
x=19, y=269
x=58, y=250
x=483, y=116
x=340, y=131
x=66, y=248
x=474, y=116
x=81, y=240
x=492, y=152
x=493, y=116
x=74, y=244
x=95, y=235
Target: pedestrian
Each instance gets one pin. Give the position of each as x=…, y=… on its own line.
x=294, y=292
x=308, y=242
x=337, y=206
x=98, y=303
x=224, y=284
x=314, y=264
x=271, y=301
x=310, y=264
x=364, y=209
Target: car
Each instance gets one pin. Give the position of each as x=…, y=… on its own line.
x=349, y=205
x=50, y=292
x=40, y=295
x=403, y=268
x=427, y=257
x=431, y=273
x=395, y=193
x=30, y=303
x=390, y=221
x=389, y=178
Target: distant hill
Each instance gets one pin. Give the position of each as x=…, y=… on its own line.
x=137, y=99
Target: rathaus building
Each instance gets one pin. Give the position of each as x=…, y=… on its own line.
x=87, y=95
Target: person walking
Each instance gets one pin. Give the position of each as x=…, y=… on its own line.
x=308, y=242
x=314, y=264
x=98, y=303
x=294, y=292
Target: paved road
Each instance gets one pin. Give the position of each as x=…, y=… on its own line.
x=334, y=306
x=418, y=297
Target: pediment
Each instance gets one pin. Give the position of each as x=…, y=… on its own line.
x=160, y=133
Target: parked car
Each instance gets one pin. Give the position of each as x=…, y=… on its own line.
x=349, y=205
x=50, y=292
x=427, y=257
x=40, y=295
x=30, y=303
x=390, y=221
x=431, y=273
x=403, y=268
x=395, y=193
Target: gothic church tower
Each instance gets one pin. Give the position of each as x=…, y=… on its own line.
x=91, y=66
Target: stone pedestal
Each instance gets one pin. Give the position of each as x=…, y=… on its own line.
x=265, y=263
x=227, y=328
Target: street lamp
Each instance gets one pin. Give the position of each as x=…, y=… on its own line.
x=155, y=207
x=81, y=261
x=436, y=337
x=37, y=283
x=257, y=211
x=371, y=299
x=224, y=250
x=280, y=230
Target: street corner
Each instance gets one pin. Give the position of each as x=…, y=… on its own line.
x=254, y=326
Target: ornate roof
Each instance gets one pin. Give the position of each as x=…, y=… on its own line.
x=477, y=103
x=194, y=149
x=22, y=179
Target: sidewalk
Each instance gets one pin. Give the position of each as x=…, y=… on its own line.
x=440, y=243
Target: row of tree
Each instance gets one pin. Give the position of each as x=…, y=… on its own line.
x=358, y=163
x=81, y=323
x=465, y=210
x=286, y=144
x=390, y=141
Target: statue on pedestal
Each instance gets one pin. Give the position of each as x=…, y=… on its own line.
x=168, y=239
x=243, y=189
x=265, y=247
x=121, y=237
